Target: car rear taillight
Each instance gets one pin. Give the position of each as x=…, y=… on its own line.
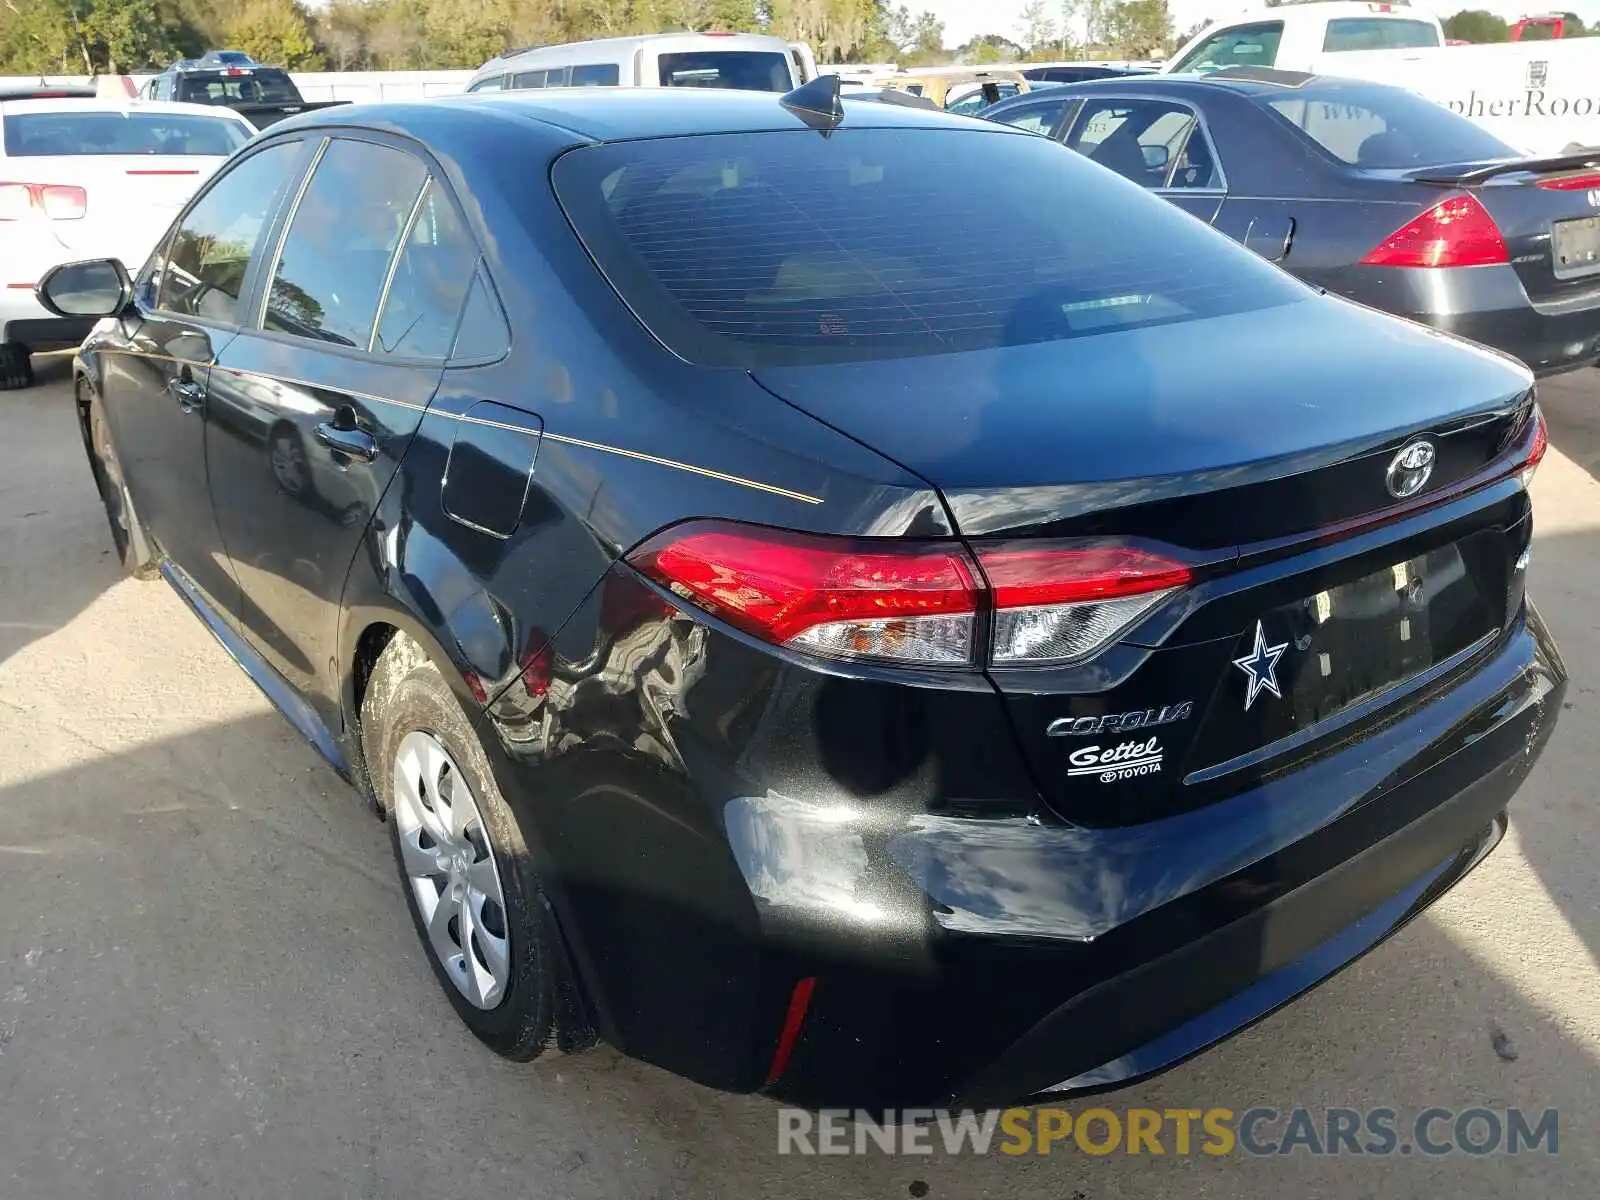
x=1063, y=602
x=1569, y=183
x=1458, y=232
x=1537, y=442
x=57, y=201
x=912, y=602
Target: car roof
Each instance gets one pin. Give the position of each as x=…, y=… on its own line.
x=1243, y=81
x=602, y=114
x=111, y=104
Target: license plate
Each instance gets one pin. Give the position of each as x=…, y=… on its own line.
x=1576, y=246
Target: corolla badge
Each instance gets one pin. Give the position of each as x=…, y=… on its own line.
x=1119, y=722
x=1409, y=469
x=1261, y=667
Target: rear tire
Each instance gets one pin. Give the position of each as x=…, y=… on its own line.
x=127, y=534
x=16, y=368
x=463, y=862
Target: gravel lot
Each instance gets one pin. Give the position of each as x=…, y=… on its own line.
x=209, y=983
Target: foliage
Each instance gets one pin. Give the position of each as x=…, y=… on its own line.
x=1137, y=28
x=95, y=36
x=1476, y=25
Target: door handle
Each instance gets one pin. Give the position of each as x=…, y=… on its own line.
x=352, y=443
x=187, y=393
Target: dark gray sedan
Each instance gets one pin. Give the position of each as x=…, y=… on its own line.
x=1369, y=191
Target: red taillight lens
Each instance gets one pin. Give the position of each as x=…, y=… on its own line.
x=1569, y=183
x=912, y=602
x=839, y=597
x=57, y=201
x=1061, y=603
x=1458, y=232
x=1538, y=442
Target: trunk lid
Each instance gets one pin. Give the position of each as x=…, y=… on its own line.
x=1258, y=452
x=1548, y=211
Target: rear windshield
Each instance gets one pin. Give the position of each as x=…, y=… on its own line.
x=1386, y=128
x=258, y=86
x=768, y=248
x=746, y=70
x=1376, y=33
x=36, y=135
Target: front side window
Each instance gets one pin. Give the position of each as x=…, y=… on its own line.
x=429, y=284
x=1152, y=142
x=1035, y=118
x=1240, y=46
x=343, y=234
x=494, y=83
x=205, y=268
x=747, y=70
x=69, y=134
x=874, y=243
x=1370, y=33
x=1384, y=128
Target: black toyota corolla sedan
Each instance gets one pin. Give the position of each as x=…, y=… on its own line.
x=1369, y=191
x=849, y=603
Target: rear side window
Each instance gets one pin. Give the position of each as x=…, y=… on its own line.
x=210, y=252
x=429, y=283
x=596, y=75
x=67, y=134
x=747, y=70
x=1385, y=128
x=1241, y=46
x=1367, y=33
x=755, y=249
x=335, y=257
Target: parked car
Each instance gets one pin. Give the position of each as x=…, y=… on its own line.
x=1369, y=191
x=747, y=61
x=232, y=79
x=966, y=90
x=81, y=177
x=969, y=643
x=1535, y=95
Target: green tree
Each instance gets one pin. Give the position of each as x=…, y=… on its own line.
x=90, y=37
x=1138, y=28
x=1037, y=27
x=989, y=48
x=276, y=32
x=1475, y=25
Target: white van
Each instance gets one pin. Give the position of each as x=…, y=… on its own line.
x=747, y=61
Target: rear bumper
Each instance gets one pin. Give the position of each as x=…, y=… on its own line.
x=1011, y=1015
x=1488, y=305
x=966, y=953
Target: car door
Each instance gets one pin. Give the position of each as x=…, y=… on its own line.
x=1159, y=144
x=355, y=318
x=154, y=389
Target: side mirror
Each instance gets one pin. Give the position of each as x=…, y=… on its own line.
x=97, y=288
x=1155, y=157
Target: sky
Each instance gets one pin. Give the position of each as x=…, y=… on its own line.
x=965, y=19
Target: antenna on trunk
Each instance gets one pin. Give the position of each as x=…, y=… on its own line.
x=817, y=103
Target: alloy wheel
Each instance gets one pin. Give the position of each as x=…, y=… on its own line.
x=451, y=869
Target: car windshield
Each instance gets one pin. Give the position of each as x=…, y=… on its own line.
x=238, y=87
x=66, y=134
x=781, y=247
x=1385, y=128
x=746, y=70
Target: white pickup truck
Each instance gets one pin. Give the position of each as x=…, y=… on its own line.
x=1542, y=97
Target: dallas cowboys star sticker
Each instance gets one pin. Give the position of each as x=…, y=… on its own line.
x=1261, y=665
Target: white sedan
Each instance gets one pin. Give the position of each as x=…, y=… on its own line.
x=91, y=178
